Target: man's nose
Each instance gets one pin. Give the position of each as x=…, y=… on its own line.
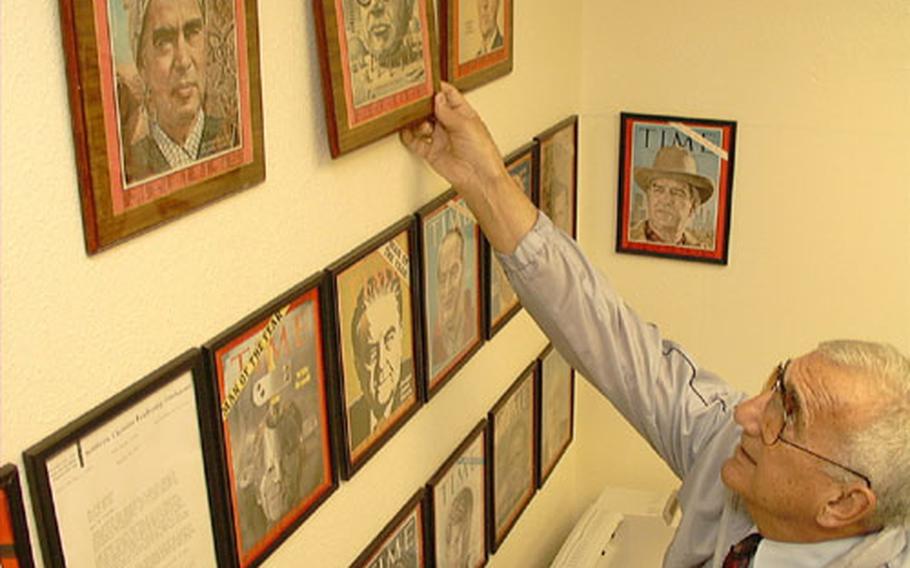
x=749, y=413
x=182, y=59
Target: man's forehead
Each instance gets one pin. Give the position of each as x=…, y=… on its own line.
x=828, y=388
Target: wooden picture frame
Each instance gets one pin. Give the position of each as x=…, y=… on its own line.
x=146, y=456
x=457, y=497
x=15, y=547
x=683, y=209
x=556, y=410
x=375, y=82
x=558, y=174
x=501, y=302
x=451, y=310
x=403, y=541
x=370, y=287
x=270, y=377
x=512, y=455
x=151, y=145
x=476, y=41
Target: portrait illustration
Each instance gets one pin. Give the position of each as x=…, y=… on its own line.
x=459, y=511
x=675, y=186
x=556, y=409
x=558, y=159
x=451, y=255
x=375, y=326
x=512, y=422
x=477, y=40
x=273, y=388
x=401, y=544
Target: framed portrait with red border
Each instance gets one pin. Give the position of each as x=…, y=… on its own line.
x=380, y=67
x=15, y=548
x=675, y=187
x=452, y=306
x=166, y=108
x=376, y=330
x=270, y=378
x=402, y=542
x=476, y=38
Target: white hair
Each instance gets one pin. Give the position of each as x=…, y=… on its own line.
x=881, y=450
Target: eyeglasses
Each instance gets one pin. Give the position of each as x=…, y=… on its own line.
x=780, y=412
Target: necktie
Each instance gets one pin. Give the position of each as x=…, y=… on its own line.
x=742, y=552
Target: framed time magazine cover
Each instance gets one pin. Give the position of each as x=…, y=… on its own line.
x=380, y=67
x=376, y=330
x=457, y=495
x=451, y=310
x=402, y=542
x=675, y=187
x=558, y=176
x=139, y=460
x=512, y=451
x=270, y=377
x=501, y=301
x=556, y=411
x=166, y=108
x=475, y=40
x=15, y=548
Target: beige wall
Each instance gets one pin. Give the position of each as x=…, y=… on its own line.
x=820, y=244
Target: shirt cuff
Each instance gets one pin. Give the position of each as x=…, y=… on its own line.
x=528, y=252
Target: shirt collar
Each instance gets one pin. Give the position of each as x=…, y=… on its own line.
x=773, y=553
x=180, y=155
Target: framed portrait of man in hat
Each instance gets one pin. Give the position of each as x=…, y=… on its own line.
x=675, y=187
x=166, y=108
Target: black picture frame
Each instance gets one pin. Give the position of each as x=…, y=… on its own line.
x=445, y=216
x=388, y=538
x=679, y=152
x=501, y=524
x=549, y=458
x=559, y=160
x=66, y=445
x=371, y=265
x=269, y=379
x=14, y=539
x=500, y=300
x=445, y=485
x=486, y=62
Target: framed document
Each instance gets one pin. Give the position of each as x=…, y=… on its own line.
x=559, y=174
x=512, y=451
x=458, y=503
x=376, y=331
x=270, y=378
x=557, y=410
x=402, y=542
x=127, y=481
x=166, y=108
x=501, y=302
x=452, y=314
x=380, y=67
x=15, y=548
x=675, y=187
x=476, y=41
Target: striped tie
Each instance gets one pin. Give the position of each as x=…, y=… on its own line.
x=742, y=552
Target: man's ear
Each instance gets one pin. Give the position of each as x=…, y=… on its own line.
x=847, y=505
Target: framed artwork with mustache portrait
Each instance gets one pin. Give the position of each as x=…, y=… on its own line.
x=675, y=187
x=380, y=67
x=476, y=41
x=376, y=331
x=270, y=378
x=451, y=310
x=166, y=108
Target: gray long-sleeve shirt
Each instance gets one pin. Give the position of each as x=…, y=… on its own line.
x=684, y=412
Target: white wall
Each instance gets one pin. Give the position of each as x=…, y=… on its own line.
x=77, y=330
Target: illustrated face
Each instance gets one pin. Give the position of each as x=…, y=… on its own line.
x=450, y=276
x=670, y=205
x=172, y=62
x=384, y=24
x=379, y=354
x=486, y=16
x=275, y=494
x=458, y=541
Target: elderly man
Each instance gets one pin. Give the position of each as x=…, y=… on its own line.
x=168, y=40
x=385, y=60
x=454, y=326
x=674, y=191
x=488, y=23
x=382, y=372
x=815, y=469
